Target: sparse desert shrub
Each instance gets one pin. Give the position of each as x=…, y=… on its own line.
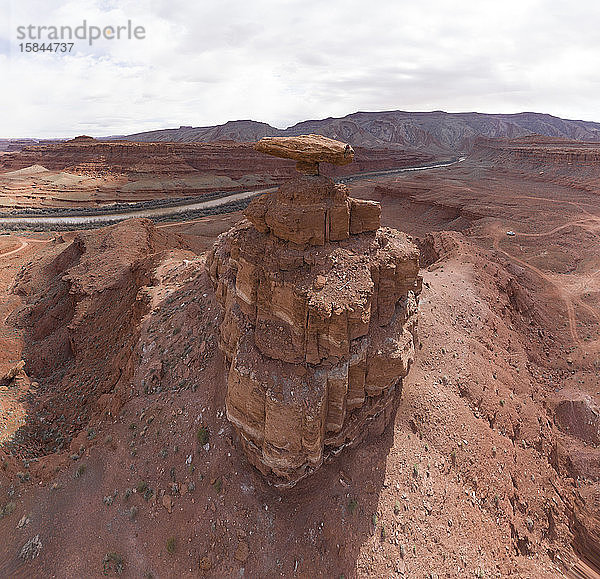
x=31, y=549
x=203, y=435
x=110, y=499
x=171, y=545
x=113, y=562
x=352, y=506
x=80, y=471
x=7, y=509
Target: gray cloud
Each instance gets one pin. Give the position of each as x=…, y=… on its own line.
x=282, y=61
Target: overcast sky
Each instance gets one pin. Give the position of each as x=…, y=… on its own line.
x=205, y=62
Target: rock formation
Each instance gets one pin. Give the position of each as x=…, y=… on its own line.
x=82, y=139
x=308, y=151
x=13, y=372
x=320, y=313
x=152, y=160
x=83, y=302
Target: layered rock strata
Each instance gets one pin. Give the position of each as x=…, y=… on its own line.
x=320, y=314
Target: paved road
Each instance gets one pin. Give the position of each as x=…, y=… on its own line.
x=49, y=220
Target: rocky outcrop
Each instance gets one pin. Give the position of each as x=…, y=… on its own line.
x=82, y=139
x=12, y=372
x=168, y=159
x=578, y=415
x=308, y=151
x=140, y=160
x=320, y=313
x=537, y=152
x=83, y=302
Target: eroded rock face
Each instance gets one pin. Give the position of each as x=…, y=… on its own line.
x=312, y=211
x=320, y=314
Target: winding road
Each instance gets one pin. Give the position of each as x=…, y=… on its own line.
x=24, y=241
x=23, y=245
x=76, y=221
x=570, y=297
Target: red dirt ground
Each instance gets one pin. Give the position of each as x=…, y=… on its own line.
x=488, y=468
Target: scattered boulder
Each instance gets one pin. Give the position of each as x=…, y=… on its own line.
x=167, y=502
x=13, y=372
x=578, y=415
x=242, y=552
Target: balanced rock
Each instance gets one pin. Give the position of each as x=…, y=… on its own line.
x=320, y=314
x=307, y=150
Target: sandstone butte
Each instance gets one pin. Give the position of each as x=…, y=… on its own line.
x=320, y=316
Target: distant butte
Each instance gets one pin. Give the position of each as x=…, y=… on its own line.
x=83, y=139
